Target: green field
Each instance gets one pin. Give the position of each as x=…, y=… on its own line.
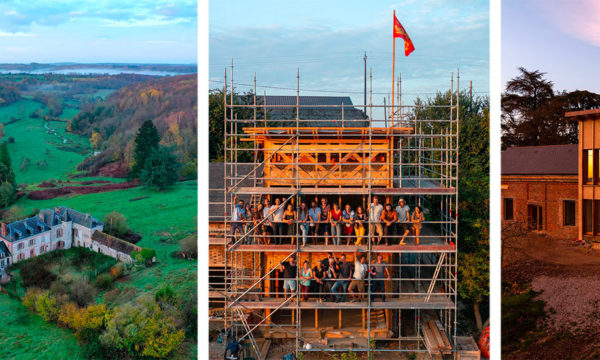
x=26, y=336
x=34, y=141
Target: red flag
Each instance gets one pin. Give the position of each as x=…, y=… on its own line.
x=399, y=32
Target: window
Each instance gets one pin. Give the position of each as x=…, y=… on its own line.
x=59, y=233
x=20, y=246
x=508, y=209
x=76, y=233
x=535, y=217
x=569, y=213
x=31, y=242
x=588, y=166
x=588, y=216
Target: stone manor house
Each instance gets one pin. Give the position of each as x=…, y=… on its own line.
x=58, y=228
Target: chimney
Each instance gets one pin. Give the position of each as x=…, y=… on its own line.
x=3, y=229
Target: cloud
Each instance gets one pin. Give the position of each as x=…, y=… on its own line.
x=17, y=16
x=579, y=19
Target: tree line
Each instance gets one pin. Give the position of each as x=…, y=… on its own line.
x=533, y=112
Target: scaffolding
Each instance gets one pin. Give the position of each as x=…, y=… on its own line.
x=412, y=153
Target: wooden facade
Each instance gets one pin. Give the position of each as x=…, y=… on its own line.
x=327, y=157
x=588, y=185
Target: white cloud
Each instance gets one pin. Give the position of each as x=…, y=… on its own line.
x=578, y=19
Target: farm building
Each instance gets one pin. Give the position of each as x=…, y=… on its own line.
x=408, y=303
x=539, y=189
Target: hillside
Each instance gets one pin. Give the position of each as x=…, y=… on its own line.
x=170, y=102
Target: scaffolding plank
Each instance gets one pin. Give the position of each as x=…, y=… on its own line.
x=348, y=248
x=404, y=302
x=346, y=191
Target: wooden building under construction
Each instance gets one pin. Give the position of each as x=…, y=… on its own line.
x=406, y=152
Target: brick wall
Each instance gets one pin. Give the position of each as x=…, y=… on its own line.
x=548, y=191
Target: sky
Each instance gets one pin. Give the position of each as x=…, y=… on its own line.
x=558, y=37
x=327, y=41
x=92, y=31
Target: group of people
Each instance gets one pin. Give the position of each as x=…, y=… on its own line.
x=332, y=279
x=278, y=222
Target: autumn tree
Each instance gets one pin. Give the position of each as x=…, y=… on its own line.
x=146, y=142
x=96, y=140
x=142, y=329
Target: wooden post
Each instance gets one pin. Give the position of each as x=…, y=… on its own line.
x=340, y=319
x=363, y=319
x=294, y=316
x=316, y=318
x=267, y=313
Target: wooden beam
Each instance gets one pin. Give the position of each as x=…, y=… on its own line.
x=339, y=318
x=316, y=318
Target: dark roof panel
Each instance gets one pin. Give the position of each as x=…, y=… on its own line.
x=114, y=242
x=541, y=160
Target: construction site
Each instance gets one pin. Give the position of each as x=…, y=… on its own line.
x=290, y=152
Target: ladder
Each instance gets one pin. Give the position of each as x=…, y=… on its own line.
x=435, y=276
x=248, y=332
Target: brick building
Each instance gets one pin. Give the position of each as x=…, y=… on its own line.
x=540, y=189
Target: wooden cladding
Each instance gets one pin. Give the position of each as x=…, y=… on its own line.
x=337, y=162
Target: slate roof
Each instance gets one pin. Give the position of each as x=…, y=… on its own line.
x=23, y=229
x=51, y=217
x=4, y=253
x=541, y=160
x=305, y=101
x=216, y=183
x=114, y=242
x=78, y=217
x=312, y=115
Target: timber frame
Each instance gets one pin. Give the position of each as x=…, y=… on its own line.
x=408, y=157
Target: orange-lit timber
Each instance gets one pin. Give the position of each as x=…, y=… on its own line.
x=588, y=187
x=347, y=161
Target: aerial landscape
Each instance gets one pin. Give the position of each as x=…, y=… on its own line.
x=71, y=140
x=98, y=181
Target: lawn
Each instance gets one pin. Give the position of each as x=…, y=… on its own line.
x=34, y=141
x=26, y=336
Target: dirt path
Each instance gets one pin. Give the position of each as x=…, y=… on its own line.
x=567, y=277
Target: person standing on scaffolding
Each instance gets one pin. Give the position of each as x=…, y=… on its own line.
x=238, y=215
x=417, y=218
x=277, y=211
x=348, y=220
x=403, y=212
x=289, y=216
x=314, y=216
x=325, y=226
x=268, y=224
x=289, y=269
x=375, y=210
x=335, y=217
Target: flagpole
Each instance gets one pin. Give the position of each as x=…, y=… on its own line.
x=393, y=67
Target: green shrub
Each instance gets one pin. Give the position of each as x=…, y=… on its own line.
x=165, y=295
x=104, y=281
x=82, y=292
